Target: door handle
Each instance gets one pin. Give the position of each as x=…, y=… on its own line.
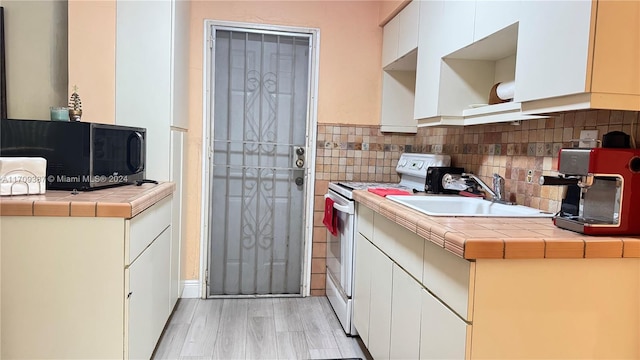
x=341, y=208
x=299, y=156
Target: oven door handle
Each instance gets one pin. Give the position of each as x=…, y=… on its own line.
x=341, y=208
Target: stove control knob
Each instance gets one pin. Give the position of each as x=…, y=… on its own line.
x=403, y=163
x=419, y=164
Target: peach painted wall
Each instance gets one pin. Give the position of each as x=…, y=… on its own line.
x=349, y=78
x=389, y=8
x=92, y=57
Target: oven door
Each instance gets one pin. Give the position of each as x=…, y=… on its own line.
x=340, y=247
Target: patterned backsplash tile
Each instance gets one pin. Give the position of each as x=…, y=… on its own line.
x=520, y=153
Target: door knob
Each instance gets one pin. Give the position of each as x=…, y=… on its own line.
x=299, y=181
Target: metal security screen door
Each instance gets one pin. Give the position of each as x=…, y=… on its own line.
x=258, y=177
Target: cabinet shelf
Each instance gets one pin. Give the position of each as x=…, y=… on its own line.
x=509, y=111
x=504, y=112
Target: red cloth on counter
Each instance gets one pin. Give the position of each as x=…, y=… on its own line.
x=388, y=191
x=330, y=217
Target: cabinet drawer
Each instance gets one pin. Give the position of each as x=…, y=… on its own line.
x=449, y=277
x=364, y=223
x=401, y=245
x=147, y=226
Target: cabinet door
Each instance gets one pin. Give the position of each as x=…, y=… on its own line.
x=408, y=28
x=429, y=59
x=362, y=287
x=492, y=16
x=456, y=26
x=443, y=334
x=177, y=157
x=553, y=42
x=148, y=297
x=390, y=34
x=180, y=17
x=143, y=76
x=449, y=277
x=380, y=319
x=405, y=319
x=364, y=222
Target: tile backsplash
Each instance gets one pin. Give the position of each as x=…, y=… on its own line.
x=359, y=153
x=519, y=153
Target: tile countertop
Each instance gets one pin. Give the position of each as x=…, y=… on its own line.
x=122, y=201
x=501, y=238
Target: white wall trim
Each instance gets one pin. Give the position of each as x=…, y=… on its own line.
x=191, y=289
x=312, y=124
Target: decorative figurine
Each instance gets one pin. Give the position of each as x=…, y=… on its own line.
x=75, y=105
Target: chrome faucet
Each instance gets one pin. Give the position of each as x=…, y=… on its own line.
x=497, y=193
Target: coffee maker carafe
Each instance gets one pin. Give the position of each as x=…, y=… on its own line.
x=603, y=196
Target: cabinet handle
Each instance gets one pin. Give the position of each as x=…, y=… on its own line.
x=129, y=294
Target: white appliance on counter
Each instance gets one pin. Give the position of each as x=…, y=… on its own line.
x=23, y=175
x=412, y=169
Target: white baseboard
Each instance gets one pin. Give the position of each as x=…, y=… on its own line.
x=191, y=289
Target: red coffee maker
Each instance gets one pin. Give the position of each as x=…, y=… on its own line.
x=603, y=197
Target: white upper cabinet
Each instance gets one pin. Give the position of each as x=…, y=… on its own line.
x=579, y=55
x=408, y=35
x=492, y=16
x=429, y=58
x=152, y=74
x=456, y=26
x=399, y=43
x=553, y=48
x=390, y=34
x=400, y=34
x=560, y=55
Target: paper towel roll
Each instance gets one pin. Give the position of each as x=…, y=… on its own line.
x=505, y=90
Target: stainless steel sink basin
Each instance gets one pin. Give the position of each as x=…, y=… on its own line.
x=465, y=206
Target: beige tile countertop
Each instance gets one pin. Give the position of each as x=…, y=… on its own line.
x=122, y=201
x=501, y=238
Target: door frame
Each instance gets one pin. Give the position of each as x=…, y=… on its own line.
x=207, y=136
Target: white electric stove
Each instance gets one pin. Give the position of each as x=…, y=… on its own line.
x=412, y=169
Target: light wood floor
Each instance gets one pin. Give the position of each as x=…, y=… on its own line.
x=270, y=328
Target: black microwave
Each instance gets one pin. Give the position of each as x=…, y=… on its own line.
x=80, y=155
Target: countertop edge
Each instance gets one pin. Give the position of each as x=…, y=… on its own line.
x=489, y=238
x=120, y=202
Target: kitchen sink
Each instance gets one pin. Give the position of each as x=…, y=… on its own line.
x=454, y=205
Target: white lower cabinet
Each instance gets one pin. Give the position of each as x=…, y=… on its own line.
x=443, y=335
x=149, y=300
x=380, y=306
x=405, y=322
x=393, y=313
x=85, y=287
x=488, y=308
x=362, y=287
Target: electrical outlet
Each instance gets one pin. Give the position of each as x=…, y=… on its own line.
x=529, y=176
x=590, y=137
